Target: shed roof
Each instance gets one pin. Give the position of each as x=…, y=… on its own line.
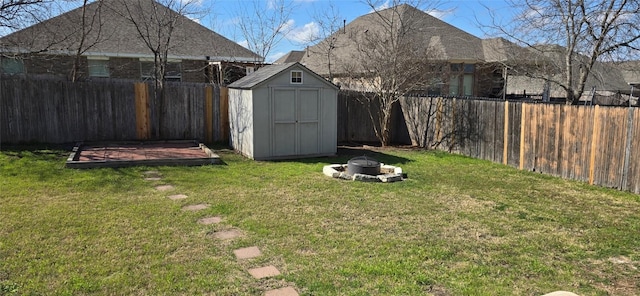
x=267, y=72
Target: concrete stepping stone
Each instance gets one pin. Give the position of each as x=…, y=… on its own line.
x=227, y=234
x=263, y=272
x=560, y=293
x=247, y=253
x=152, y=179
x=287, y=291
x=177, y=197
x=210, y=220
x=195, y=207
x=164, y=187
x=152, y=173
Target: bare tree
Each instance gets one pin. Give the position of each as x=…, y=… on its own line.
x=90, y=34
x=329, y=23
x=264, y=27
x=16, y=13
x=155, y=23
x=583, y=32
x=388, y=63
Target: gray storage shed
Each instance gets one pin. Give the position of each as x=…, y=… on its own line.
x=283, y=111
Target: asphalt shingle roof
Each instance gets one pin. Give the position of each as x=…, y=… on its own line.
x=117, y=36
x=426, y=31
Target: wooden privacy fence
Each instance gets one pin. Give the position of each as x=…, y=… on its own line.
x=49, y=110
x=599, y=145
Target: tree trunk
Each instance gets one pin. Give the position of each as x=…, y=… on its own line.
x=385, y=129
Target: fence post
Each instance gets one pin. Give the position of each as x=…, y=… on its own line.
x=523, y=117
x=208, y=114
x=224, y=113
x=594, y=143
x=505, y=141
x=438, y=131
x=627, y=149
x=453, y=124
x=142, y=111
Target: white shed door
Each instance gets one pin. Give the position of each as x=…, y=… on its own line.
x=296, y=124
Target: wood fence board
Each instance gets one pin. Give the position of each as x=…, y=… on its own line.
x=633, y=179
x=36, y=109
x=514, y=130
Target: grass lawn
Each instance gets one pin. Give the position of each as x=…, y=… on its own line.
x=457, y=226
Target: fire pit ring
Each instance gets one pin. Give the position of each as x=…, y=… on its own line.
x=363, y=165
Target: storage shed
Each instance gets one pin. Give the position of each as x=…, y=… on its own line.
x=283, y=111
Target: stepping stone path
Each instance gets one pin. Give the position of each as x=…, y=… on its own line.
x=195, y=207
x=241, y=254
x=177, y=197
x=210, y=220
x=164, y=187
x=263, y=272
x=227, y=234
x=288, y=291
x=247, y=253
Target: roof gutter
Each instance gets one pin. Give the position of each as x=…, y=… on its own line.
x=139, y=55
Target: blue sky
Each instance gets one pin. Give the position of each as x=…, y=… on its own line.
x=223, y=17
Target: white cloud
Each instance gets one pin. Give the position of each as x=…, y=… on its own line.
x=441, y=14
x=244, y=43
x=303, y=34
x=288, y=26
x=382, y=6
x=271, y=58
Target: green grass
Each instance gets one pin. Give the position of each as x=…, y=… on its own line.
x=457, y=226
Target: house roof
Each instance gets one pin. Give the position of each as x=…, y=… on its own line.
x=630, y=71
x=113, y=34
x=291, y=57
x=424, y=31
x=267, y=72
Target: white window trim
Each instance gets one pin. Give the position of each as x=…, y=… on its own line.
x=291, y=77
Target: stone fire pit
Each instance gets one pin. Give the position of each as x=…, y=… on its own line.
x=388, y=173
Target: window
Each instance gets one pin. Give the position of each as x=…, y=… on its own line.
x=98, y=67
x=173, y=72
x=250, y=70
x=11, y=66
x=296, y=77
x=462, y=79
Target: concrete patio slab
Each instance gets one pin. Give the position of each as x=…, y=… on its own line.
x=263, y=272
x=287, y=291
x=247, y=253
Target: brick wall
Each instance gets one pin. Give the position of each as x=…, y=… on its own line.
x=126, y=68
x=56, y=65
